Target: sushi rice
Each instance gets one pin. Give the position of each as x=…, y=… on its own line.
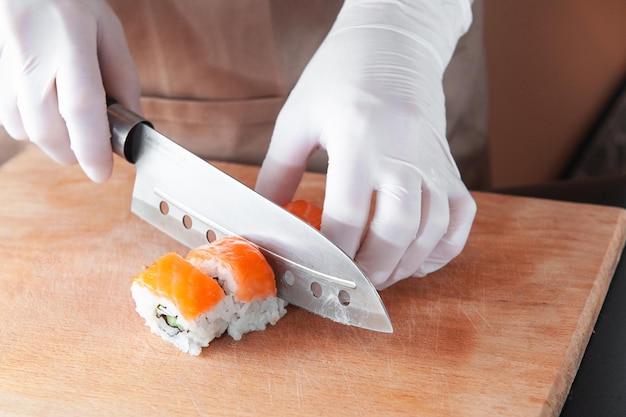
x=190, y=336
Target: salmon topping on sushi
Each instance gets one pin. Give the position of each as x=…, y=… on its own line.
x=308, y=212
x=175, y=279
x=250, y=276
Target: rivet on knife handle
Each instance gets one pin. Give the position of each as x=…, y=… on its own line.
x=123, y=122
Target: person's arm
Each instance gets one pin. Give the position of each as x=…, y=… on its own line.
x=57, y=59
x=372, y=96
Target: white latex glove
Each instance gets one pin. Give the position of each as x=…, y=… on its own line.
x=57, y=57
x=372, y=96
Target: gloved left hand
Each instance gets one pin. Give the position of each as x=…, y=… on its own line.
x=372, y=96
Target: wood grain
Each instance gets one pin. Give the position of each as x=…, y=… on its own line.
x=498, y=332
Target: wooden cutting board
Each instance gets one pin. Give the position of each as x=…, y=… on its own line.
x=498, y=332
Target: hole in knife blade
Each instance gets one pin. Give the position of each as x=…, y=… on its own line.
x=289, y=278
x=187, y=222
x=344, y=298
x=210, y=236
x=164, y=207
x=316, y=289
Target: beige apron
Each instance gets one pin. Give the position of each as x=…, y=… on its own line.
x=214, y=74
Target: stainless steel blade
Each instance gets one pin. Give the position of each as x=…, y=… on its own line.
x=195, y=202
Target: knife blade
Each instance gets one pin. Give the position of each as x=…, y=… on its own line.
x=194, y=202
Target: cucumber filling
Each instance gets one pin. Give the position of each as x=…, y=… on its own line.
x=168, y=323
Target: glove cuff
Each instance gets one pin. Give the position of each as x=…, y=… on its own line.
x=437, y=25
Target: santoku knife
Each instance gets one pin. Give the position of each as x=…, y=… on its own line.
x=194, y=202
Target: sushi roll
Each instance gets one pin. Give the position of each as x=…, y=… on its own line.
x=181, y=304
x=246, y=277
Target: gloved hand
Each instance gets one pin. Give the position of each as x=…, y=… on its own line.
x=57, y=58
x=372, y=96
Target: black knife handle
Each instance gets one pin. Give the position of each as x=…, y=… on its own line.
x=123, y=123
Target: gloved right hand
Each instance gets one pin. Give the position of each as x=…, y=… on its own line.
x=57, y=59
